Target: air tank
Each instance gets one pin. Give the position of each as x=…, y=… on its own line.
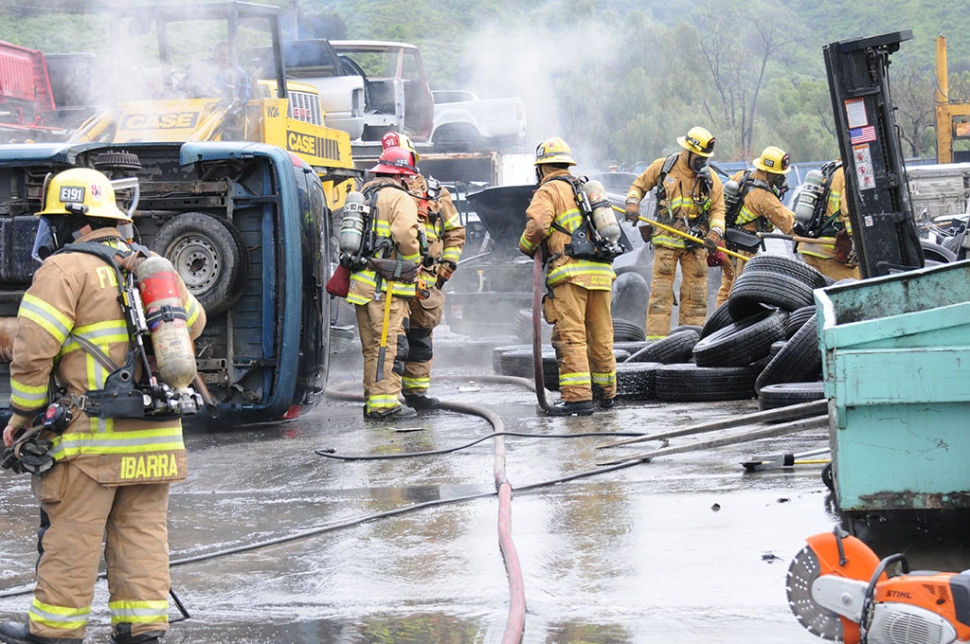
x=174, y=352
x=811, y=191
x=352, y=223
x=604, y=220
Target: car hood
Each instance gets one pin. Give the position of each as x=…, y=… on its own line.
x=502, y=211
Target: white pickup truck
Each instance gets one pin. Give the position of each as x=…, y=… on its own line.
x=463, y=120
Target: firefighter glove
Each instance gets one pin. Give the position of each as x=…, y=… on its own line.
x=632, y=213
x=712, y=241
x=445, y=270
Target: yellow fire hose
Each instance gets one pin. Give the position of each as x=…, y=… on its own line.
x=382, y=354
x=681, y=233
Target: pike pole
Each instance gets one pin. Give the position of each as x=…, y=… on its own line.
x=680, y=233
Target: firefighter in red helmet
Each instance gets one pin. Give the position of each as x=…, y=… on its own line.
x=381, y=298
x=444, y=237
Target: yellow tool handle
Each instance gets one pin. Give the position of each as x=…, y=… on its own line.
x=387, y=313
x=681, y=233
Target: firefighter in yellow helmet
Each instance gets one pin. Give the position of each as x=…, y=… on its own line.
x=444, y=237
x=756, y=208
x=110, y=475
x=578, y=300
x=690, y=199
x=381, y=298
x=834, y=253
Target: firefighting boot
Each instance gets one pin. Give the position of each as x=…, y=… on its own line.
x=123, y=636
x=606, y=403
x=573, y=408
x=18, y=633
x=401, y=411
x=421, y=402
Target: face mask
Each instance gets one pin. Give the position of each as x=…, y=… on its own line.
x=697, y=163
x=45, y=241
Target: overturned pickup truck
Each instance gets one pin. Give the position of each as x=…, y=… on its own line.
x=243, y=224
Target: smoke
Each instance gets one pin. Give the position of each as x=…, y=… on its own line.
x=533, y=61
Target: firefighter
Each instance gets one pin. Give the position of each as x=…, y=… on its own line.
x=110, y=478
x=578, y=300
x=758, y=208
x=444, y=238
x=834, y=254
x=690, y=199
x=380, y=299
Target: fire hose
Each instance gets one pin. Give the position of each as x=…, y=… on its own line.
x=537, y=275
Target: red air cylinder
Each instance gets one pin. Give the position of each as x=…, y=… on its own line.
x=167, y=322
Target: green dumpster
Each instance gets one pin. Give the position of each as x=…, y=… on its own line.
x=896, y=365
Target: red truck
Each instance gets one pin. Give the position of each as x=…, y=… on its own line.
x=27, y=108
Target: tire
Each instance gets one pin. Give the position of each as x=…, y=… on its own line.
x=687, y=327
x=676, y=347
x=828, y=479
x=766, y=288
x=720, y=318
x=789, y=393
x=741, y=343
x=690, y=383
x=779, y=264
x=518, y=362
x=209, y=254
x=629, y=297
x=635, y=380
x=800, y=360
x=937, y=253
x=797, y=319
x=626, y=331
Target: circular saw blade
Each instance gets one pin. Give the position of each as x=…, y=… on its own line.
x=802, y=573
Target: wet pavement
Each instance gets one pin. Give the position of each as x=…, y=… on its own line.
x=685, y=548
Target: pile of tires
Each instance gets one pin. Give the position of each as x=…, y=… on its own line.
x=768, y=324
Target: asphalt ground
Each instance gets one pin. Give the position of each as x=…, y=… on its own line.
x=685, y=548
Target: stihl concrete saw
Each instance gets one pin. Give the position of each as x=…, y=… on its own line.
x=840, y=590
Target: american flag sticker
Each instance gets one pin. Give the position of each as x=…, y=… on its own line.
x=862, y=134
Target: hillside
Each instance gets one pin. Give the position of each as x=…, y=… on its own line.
x=620, y=79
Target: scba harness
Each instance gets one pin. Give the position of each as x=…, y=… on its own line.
x=122, y=396
x=586, y=242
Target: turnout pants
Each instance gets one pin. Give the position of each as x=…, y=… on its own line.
x=382, y=395
x=833, y=268
x=582, y=336
x=425, y=315
x=693, y=289
x=729, y=274
x=132, y=522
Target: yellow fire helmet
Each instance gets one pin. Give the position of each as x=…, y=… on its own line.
x=554, y=150
x=773, y=160
x=82, y=191
x=698, y=140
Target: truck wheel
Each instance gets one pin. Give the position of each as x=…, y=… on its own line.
x=209, y=254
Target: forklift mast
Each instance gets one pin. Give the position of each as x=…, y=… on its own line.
x=876, y=191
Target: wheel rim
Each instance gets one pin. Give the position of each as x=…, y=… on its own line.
x=197, y=261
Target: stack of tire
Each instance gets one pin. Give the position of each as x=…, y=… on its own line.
x=766, y=332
